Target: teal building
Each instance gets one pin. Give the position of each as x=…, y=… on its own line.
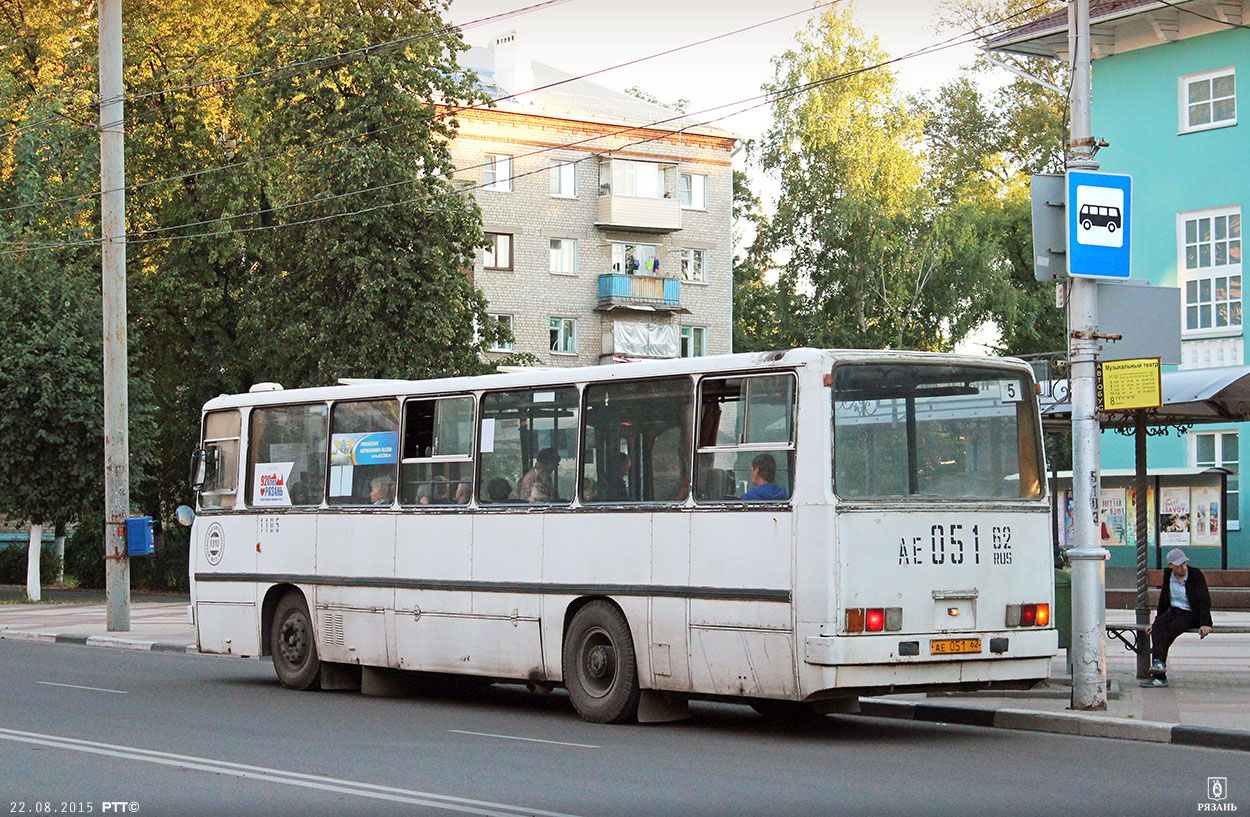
x=1166, y=77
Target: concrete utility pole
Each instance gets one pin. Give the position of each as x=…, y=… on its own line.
x=1089, y=581
x=113, y=277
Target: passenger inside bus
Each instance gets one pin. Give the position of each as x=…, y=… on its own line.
x=538, y=484
x=763, y=476
x=381, y=490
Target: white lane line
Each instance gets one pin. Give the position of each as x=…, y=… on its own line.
x=89, y=689
x=531, y=740
x=463, y=805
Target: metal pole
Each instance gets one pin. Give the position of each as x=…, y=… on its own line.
x=1139, y=488
x=113, y=281
x=1089, y=581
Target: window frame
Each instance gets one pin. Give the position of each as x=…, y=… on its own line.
x=328, y=498
x=696, y=202
x=565, y=188
x=490, y=172
x=250, y=467
x=229, y=497
x=688, y=255
x=687, y=340
x=1232, y=497
x=1183, y=104
x=1210, y=273
x=746, y=447
x=552, y=256
x=497, y=317
x=494, y=251
x=434, y=459
x=563, y=336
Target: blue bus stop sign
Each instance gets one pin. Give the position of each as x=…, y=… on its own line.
x=1100, y=211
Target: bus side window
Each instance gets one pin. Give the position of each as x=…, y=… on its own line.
x=528, y=446
x=746, y=439
x=637, y=442
x=364, y=449
x=221, y=446
x=286, y=456
x=437, y=468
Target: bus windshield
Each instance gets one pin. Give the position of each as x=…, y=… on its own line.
x=934, y=430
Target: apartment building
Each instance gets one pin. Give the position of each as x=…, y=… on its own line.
x=1166, y=99
x=609, y=217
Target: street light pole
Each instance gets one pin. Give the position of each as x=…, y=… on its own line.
x=1089, y=583
x=113, y=285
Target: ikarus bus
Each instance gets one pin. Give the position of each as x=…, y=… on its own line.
x=791, y=530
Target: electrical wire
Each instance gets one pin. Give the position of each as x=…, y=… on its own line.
x=1179, y=7
x=751, y=103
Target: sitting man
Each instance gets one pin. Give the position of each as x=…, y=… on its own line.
x=763, y=480
x=381, y=490
x=538, y=484
x=1184, y=603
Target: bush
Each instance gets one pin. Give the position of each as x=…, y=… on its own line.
x=166, y=569
x=13, y=565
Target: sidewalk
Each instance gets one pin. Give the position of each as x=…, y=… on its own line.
x=1204, y=705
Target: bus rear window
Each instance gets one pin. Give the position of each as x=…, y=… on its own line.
x=928, y=430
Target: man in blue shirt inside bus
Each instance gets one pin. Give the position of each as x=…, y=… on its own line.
x=763, y=480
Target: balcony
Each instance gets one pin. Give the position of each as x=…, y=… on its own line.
x=646, y=293
x=640, y=214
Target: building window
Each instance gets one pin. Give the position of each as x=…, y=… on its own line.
x=620, y=177
x=693, y=341
x=694, y=265
x=564, y=335
x=1208, y=100
x=499, y=251
x=564, y=180
x=1210, y=261
x=1219, y=448
x=694, y=191
x=635, y=258
x=564, y=256
x=506, y=322
x=497, y=172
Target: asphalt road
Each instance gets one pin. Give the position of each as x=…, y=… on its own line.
x=146, y=733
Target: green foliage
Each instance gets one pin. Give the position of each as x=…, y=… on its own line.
x=13, y=565
x=680, y=106
x=165, y=569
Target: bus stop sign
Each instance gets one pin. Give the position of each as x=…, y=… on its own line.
x=1100, y=210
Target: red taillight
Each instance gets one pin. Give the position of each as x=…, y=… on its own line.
x=1028, y=615
x=1043, y=615
x=874, y=620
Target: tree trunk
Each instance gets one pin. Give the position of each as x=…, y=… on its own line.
x=32, y=562
x=59, y=550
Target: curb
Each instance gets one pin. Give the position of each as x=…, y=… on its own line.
x=1063, y=723
x=136, y=645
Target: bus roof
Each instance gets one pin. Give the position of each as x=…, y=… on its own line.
x=743, y=362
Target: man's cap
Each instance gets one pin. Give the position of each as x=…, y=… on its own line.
x=1176, y=556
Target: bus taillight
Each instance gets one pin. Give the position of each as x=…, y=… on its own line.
x=874, y=620
x=1028, y=615
x=855, y=619
x=1043, y=615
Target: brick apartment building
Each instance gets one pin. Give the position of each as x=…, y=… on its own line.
x=609, y=216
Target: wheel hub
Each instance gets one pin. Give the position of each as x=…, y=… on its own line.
x=293, y=641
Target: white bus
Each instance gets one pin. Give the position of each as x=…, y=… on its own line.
x=789, y=529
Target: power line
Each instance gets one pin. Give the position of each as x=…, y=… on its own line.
x=757, y=101
x=449, y=112
x=283, y=71
x=1179, y=7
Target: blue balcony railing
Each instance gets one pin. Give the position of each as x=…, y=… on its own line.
x=615, y=287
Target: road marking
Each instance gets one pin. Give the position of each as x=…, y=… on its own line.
x=531, y=740
x=76, y=686
x=463, y=805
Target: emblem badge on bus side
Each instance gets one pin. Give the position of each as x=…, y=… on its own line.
x=214, y=543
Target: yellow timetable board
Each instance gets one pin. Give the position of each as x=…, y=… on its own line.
x=1123, y=385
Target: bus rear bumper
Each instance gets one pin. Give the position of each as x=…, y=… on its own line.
x=893, y=649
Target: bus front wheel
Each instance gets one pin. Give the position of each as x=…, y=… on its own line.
x=600, y=667
x=293, y=643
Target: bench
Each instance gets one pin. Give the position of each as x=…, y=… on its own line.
x=1128, y=634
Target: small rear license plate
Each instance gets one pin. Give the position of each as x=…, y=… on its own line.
x=954, y=646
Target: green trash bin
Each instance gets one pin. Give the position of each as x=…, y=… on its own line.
x=1063, y=608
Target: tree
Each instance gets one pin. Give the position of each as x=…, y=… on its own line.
x=863, y=256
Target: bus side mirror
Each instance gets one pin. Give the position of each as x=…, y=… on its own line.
x=186, y=516
x=199, y=469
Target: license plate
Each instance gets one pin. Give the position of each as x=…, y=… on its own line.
x=954, y=646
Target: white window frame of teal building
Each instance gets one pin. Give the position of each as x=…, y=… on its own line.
x=563, y=256
x=1209, y=249
x=563, y=336
x=1223, y=453
x=502, y=346
x=693, y=341
x=694, y=265
x=497, y=172
x=1206, y=96
x=563, y=180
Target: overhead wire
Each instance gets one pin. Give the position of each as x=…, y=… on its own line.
x=751, y=103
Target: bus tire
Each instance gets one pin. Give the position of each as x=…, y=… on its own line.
x=293, y=643
x=600, y=667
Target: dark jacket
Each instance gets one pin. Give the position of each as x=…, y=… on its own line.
x=1195, y=588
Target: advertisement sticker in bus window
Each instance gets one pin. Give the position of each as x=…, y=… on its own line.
x=366, y=448
x=270, y=485
x=488, y=435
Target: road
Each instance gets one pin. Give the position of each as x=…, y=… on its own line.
x=171, y=734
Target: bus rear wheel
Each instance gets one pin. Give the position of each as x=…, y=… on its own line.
x=600, y=667
x=293, y=643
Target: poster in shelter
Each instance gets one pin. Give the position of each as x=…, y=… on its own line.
x=1112, y=517
x=1174, y=516
x=1206, y=521
x=1131, y=504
